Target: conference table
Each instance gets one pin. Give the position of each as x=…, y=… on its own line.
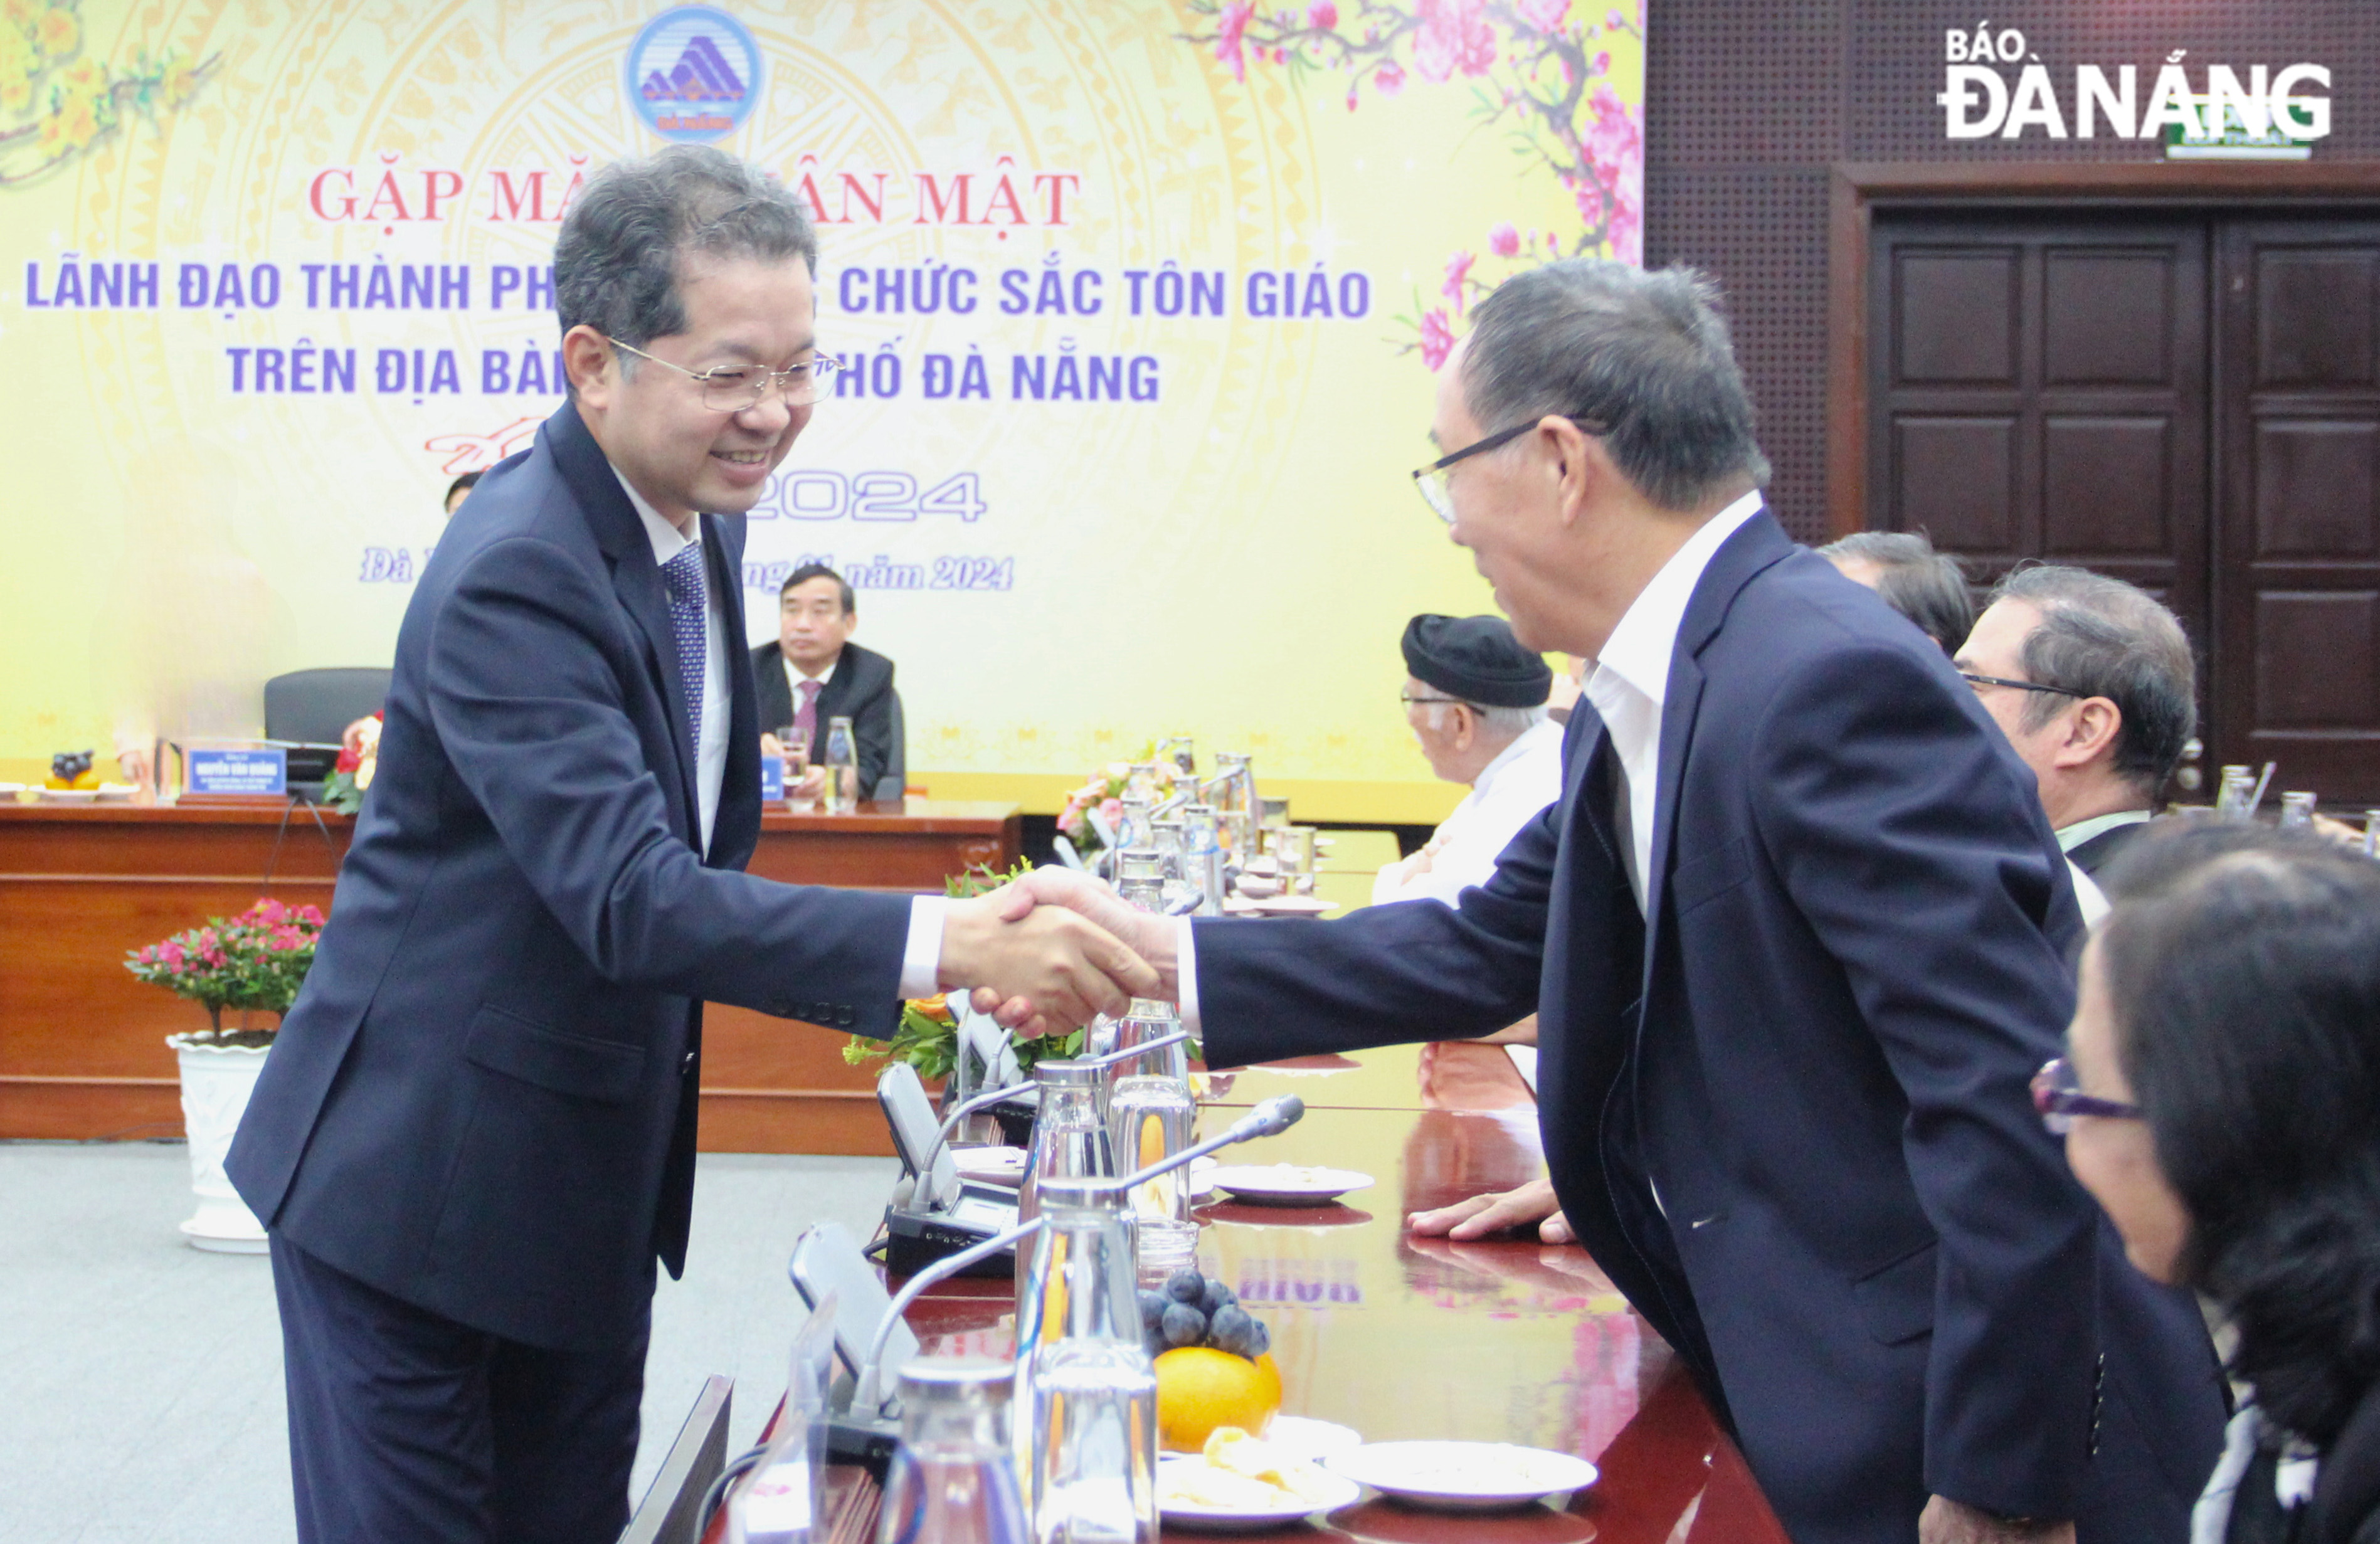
x=82, y=1053
x=1400, y=1337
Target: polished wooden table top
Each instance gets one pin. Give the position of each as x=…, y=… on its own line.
x=1402, y=1338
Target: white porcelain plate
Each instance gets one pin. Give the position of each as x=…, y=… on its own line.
x=1462, y=1476
x=1312, y=1439
x=1217, y=1519
x=1288, y=1183
x=69, y=795
x=991, y=1165
x=1277, y=905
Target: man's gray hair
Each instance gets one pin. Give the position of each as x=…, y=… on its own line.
x=1497, y=724
x=1927, y=587
x=616, y=261
x=1644, y=354
x=2103, y=638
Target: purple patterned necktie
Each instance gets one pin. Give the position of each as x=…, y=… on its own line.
x=690, y=626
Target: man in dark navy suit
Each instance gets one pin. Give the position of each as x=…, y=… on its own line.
x=475, y=1133
x=2092, y=680
x=1796, y=936
x=812, y=674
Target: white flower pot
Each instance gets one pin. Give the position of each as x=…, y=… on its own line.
x=216, y=1081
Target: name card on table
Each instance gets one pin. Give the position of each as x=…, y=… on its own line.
x=772, y=779
x=240, y=773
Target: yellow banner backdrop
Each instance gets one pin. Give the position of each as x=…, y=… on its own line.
x=1142, y=302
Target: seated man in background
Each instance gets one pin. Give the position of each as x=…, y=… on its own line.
x=1923, y=585
x=2093, y=681
x=1475, y=701
x=814, y=674
x=459, y=490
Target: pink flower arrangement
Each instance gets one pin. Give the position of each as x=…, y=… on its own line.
x=1545, y=80
x=1230, y=26
x=1455, y=36
x=1458, y=270
x=1436, y=339
x=256, y=960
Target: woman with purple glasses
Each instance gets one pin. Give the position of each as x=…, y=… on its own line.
x=2221, y=1098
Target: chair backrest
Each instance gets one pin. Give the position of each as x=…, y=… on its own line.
x=897, y=768
x=672, y=1510
x=317, y=705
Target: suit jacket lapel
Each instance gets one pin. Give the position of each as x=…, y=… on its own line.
x=635, y=578
x=1760, y=543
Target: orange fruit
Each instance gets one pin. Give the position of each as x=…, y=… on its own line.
x=1199, y=1389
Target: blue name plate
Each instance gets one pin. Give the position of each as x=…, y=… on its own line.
x=238, y=772
x=772, y=779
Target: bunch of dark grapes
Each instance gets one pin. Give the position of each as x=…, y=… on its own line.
x=1191, y=1309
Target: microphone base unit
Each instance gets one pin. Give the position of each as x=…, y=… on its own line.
x=852, y=1439
x=914, y=1240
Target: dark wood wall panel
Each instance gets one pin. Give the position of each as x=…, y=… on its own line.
x=1748, y=109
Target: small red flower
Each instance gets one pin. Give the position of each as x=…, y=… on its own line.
x=1389, y=80
x=1323, y=14
x=1504, y=240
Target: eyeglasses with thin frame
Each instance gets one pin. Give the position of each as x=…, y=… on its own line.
x=2059, y=1095
x=1410, y=700
x=1980, y=681
x=1435, y=485
x=738, y=388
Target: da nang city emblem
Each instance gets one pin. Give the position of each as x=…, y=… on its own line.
x=694, y=74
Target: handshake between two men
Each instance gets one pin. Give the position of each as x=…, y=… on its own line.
x=1054, y=948
x=1060, y=946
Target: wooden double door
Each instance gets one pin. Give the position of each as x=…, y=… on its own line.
x=2190, y=401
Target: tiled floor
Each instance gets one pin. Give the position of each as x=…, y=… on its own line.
x=141, y=1396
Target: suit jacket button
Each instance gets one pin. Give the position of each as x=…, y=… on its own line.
x=685, y=1068
x=843, y=1019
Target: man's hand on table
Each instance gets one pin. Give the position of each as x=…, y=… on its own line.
x=1532, y=1205
x=1052, y=893
x=1038, y=970
x=1945, y=1521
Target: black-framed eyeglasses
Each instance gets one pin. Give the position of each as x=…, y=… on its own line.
x=738, y=388
x=1410, y=700
x=2059, y=1095
x=1974, y=680
x=1432, y=479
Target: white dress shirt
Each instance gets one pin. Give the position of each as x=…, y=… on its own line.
x=921, y=956
x=1628, y=686
x=1630, y=682
x=1525, y=776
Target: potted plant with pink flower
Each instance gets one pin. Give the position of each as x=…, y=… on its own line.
x=1092, y=812
x=255, y=962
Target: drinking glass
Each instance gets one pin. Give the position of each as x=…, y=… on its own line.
x=2297, y=809
x=793, y=751
x=1086, y=1395
x=1293, y=846
x=954, y=1479
x=2232, y=794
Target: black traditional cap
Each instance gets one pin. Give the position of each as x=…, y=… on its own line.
x=1476, y=659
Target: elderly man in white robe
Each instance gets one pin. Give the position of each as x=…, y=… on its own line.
x=1475, y=700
